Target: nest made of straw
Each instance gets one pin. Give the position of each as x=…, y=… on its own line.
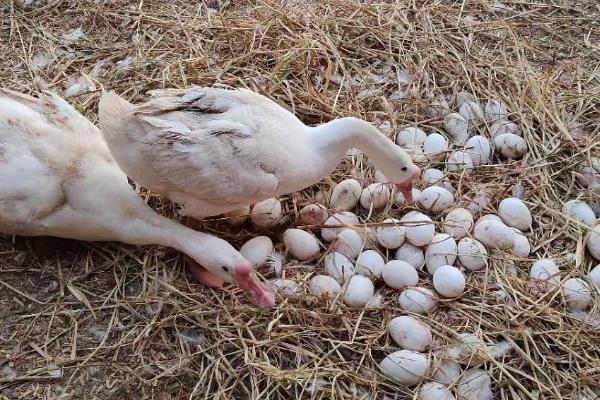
x=114, y=321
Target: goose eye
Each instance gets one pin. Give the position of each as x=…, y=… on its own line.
x=225, y=269
x=404, y=168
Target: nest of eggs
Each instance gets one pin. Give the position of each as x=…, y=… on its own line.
x=114, y=321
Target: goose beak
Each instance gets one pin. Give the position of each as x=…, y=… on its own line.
x=406, y=187
x=248, y=282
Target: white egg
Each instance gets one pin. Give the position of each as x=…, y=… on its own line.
x=495, y=110
x=474, y=384
x=521, y=247
x=447, y=372
x=313, y=214
x=594, y=276
x=237, y=217
x=449, y=281
x=410, y=333
x=349, y=243
x=337, y=222
x=411, y=137
x=286, y=287
x=257, y=250
x=390, y=236
x=359, y=291
x=345, y=195
x=593, y=242
x=545, y=274
x=472, y=113
x=400, y=201
x=376, y=195
x=406, y=366
x=502, y=126
x=435, y=391
x=379, y=177
x=338, y=266
x=434, y=146
x=418, y=300
x=419, y=228
x=458, y=223
x=480, y=150
x=413, y=255
x=441, y=251
x=491, y=217
x=577, y=294
x=369, y=263
x=515, y=213
x=301, y=244
x=399, y=274
x=472, y=254
x=510, y=146
x=266, y=212
x=436, y=199
x=494, y=234
x=580, y=211
x=456, y=125
x=323, y=284
x=458, y=161
x=433, y=176
x=478, y=203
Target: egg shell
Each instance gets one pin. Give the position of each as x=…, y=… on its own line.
x=590, y=171
x=376, y=195
x=369, y=263
x=286, y=287
x=457, y=127
x=399, y=274
x=441, y=251
x=478, y=203
x=313, y=214
x=418, y=300
x=411, y=137
x=515, y=213
x=458, y=161
x=323, y=284
x=438, y=109
x=257, y=250
x=434, y=146
x=266, y=213
x=405, y=366
x=479, y=148
x=345, y=195
x=577, y=293
x=436, y=199
x=502, y=126
x=545, y=274
x=349, y=243
x=301, y=244
x=521, y=247
x=413, y=255
x=449, y=281
x=416, y=154
x=410, y=333
x=435, y=391
x=474, y=384
x=580, y=211
x=594, y=276
x=359, y=291
x=338, y=266
x=494, y=234
x=460, y=98
x=341, y=218
x=472, y=254
x=472, y=112
x=400, y=201
x=419, y=228
x=593, y=242
x=352, y=154
x=510, y=146
x=237, y=217
x=369, y=237
x=447, y=372
x=392, y=236
x=458, y=223
x=375, y=302
x=469, y=349
x=495, y=109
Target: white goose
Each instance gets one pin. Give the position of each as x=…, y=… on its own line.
x=214, y=150
x=58, y=178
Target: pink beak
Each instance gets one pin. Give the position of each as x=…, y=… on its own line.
x=406, y=187
x=248, y=282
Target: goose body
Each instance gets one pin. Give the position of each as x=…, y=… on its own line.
x=214, y=150
x=58, y=178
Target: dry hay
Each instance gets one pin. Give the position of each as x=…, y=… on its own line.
x=113, y=321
